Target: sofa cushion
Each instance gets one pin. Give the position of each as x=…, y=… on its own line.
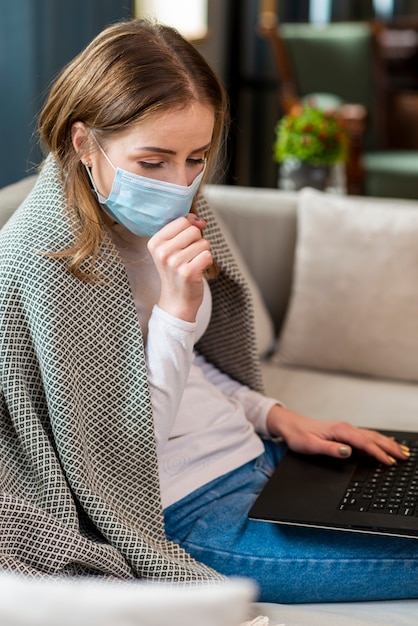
x=354, y=302
x=399, y=612
x=264, y=327
x=360, y=400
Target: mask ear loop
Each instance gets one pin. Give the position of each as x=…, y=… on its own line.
x=86, y=164
x=101, y=150
x=99, y=196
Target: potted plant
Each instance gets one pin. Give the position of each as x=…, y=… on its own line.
x=311, y=147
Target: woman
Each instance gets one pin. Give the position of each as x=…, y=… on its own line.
x=131, y=396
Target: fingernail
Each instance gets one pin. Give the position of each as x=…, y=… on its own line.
x=344, y=451
x=405, y=451
x=391, y=459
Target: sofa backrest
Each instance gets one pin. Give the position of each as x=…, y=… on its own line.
x=263, y=224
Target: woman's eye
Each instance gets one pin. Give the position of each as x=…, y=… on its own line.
x=150, y=166
x=200, y=161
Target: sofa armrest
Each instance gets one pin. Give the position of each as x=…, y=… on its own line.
x=263, y=224
x=12, y=196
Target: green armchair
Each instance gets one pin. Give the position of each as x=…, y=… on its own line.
x=341, y=62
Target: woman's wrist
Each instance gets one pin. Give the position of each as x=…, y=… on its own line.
x=276, y=419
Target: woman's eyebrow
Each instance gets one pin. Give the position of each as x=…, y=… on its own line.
x=166, y=150
x=154, y=149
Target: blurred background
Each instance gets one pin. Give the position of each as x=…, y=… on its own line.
x=38, y=37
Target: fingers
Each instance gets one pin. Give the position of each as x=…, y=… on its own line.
x=345, y=437
x=181, y=255
x=180, y=246
x=336, y=439
x=319, y=445
x=178, y=234
x=172, y=229
x=384, y=449
x=200, y=222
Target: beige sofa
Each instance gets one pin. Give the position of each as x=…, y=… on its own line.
x=348, y=348
x=334, y=283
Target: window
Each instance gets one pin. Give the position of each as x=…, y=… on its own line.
x=383, y=8
x=320, y=11
x=190, y=17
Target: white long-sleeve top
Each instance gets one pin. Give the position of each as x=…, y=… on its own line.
x=205, y=422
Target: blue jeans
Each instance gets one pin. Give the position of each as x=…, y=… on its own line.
x=289, y=564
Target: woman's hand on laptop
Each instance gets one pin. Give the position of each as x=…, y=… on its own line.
x=310, y=436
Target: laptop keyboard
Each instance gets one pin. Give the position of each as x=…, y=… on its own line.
x=382, y=489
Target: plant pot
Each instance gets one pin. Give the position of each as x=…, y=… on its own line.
x=295, y=174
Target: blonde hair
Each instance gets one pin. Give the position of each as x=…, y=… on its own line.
x=131, y=70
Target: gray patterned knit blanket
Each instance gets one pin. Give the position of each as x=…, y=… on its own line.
x=79, y=490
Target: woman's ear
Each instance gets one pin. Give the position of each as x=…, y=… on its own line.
x=81, y=141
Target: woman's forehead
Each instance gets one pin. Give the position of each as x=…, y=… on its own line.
x=194, y=123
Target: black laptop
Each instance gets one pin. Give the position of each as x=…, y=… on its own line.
x=357, y=494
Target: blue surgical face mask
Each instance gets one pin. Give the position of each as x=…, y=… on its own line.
x=144, y=205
